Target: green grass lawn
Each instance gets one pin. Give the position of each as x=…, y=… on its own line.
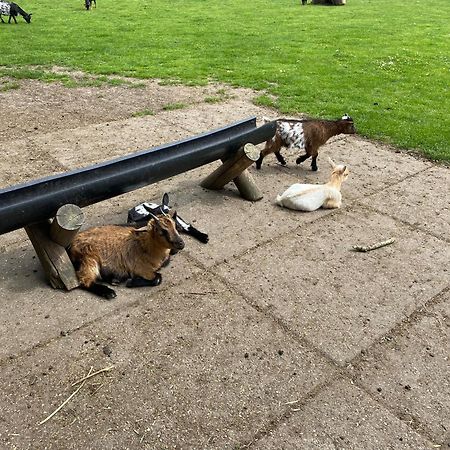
x=385, y=62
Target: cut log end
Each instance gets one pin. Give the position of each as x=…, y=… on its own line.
x=68, y=220
x=70, y=217
x=252, y=152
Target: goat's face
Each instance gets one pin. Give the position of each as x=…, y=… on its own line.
x=166, y=231
x=341, y=171
x=348, y=125
x=27, y=18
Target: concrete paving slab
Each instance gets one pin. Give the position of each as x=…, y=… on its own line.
x=340, y=300
x=409, y=371
x=207, y=211
x=24, y=161
x=201, y=367
x=423, y=201
x=27, y=299
x=372, y=166
x=342, y=417
x=55, y=152
x=235, y=226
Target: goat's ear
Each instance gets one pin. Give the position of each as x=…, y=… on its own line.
x=165, y=199
x=344, y=169
x=333, y=165
x=173, y=214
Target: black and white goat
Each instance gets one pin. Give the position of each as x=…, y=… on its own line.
x=304, y=135
x=13, y=10
x=141, y=214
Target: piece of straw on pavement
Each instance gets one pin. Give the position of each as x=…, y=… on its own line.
x=368, y=248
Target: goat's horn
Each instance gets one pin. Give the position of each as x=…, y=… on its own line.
x=333, y=165
x=151, y=214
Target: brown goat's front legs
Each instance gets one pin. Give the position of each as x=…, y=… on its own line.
x=279, y=156
x=148, y=276
x=302, y=158
x=270, y=147
x=141, y=282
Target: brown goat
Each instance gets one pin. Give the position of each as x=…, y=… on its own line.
x=115, y=253
x=307, y=135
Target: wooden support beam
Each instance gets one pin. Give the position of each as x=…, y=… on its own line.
x=247, y=187
x=234, y=168
x=55, y=261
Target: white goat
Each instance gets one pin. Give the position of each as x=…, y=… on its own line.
x=309, y=197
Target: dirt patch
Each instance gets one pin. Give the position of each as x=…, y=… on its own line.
x=36, y=107
x=47, y=128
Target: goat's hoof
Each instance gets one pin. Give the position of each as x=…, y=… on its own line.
x=110, y=295
x=314, y=169
x=157, y=280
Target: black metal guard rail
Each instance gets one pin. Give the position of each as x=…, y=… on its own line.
x=25, y=204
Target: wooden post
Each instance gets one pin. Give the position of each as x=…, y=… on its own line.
x=50, y=242
x=54, y=259
x=247, y=187
x=65, y=225
x=234, y=168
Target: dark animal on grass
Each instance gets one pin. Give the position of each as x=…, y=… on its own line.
x=89, y=3
x=13, y=10
x=114, y=253
x=304, y=135
x=304, y=2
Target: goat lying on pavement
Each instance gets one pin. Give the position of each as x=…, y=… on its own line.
x=115, y=253
x=309, y=197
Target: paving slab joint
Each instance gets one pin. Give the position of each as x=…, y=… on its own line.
x=26, y=352
x=400, y=221
x=401, y=327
